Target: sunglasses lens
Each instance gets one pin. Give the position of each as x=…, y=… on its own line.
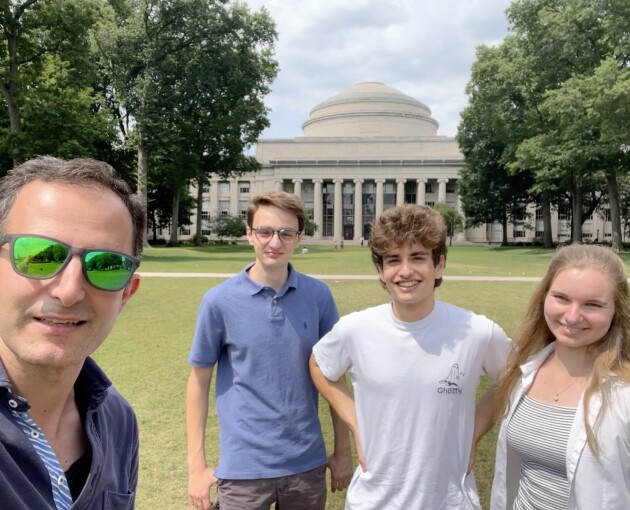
x=106, y=270
x=35, y=257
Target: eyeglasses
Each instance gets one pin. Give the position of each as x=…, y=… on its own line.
x=40, y=258
x=286, y=235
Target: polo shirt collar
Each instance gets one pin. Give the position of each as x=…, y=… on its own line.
x=254, y=288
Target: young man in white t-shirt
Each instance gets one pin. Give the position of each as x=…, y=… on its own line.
x=415, y=365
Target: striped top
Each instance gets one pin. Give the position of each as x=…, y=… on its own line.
x=539, y=433
x=58, y=482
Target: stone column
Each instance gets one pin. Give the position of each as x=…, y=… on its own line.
x=297, y=188
x=379, y=196
x=338, y=211
x=318, y=208
x=358, y=209
x=400, y=191
x=234, y=192
x=421, y=195
x=442, y=190
x=214, y=197
x=278, y=184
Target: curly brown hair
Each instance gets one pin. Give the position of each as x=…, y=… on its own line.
x=406, y=225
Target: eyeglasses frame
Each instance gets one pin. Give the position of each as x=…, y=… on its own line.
x=276, y=232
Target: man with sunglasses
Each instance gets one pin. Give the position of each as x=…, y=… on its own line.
x=70, y=237
x=259, y=328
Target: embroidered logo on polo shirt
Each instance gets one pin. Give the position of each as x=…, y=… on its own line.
x=450, y=384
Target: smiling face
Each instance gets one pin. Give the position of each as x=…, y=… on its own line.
x=58, y=322
x=579, y=306
x=409, y=274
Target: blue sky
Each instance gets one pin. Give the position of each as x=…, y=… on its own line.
x=424, y=48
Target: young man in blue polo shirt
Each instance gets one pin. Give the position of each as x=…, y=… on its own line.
x=259, y=328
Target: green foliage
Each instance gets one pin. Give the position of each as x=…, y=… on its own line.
x=453, y=220
x=38, y=36
x=310, y=227
x=551, y=101
x=224, y=225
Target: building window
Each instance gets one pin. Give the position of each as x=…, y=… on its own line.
x=224, y=187
x=410, y=192
x=431, y=204
x=428, y=187
x=185, y=231
x=205, y=232
x=243, y=186
x=539, y=214
x=224, y=207
x=539, y=233
x=519, y=233
x=242, y=210
x=450, y=187
x=205, y=215
x=205, y=188
x=288, y=186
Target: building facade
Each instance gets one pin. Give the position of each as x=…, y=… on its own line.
x=367, y=148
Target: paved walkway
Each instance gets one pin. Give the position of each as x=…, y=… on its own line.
x=349, y=277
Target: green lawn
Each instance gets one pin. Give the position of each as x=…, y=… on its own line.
x=146, y=353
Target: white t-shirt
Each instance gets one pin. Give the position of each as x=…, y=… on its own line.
x=415, y=395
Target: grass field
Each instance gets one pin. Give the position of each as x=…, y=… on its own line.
x=146, y=353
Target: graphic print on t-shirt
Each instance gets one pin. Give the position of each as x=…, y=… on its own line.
x=450, y=384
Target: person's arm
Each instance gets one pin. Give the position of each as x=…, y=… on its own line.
x=200, y=476
x=340, y=462
x=484, y=421
x=338, y=396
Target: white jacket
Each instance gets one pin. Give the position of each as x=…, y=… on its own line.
x=595, y=483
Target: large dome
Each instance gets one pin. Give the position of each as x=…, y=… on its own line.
x=370, y=110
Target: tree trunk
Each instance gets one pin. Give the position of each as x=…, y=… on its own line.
x=576, y=211
x=615, y=216
x=143, y=179
x=546, y=215
x=175, y=219
x=504, y=224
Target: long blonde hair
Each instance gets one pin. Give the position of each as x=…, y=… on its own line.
x=611, y=354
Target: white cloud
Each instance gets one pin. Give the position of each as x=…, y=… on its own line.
x=424, y=48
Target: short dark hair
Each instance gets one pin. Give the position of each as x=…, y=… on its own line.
x=280, y=199
x=83, y=172
x=407, y=225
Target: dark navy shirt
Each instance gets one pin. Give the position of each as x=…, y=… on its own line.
x=112, y=432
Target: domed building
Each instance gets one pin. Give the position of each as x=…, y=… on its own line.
x=363, y=150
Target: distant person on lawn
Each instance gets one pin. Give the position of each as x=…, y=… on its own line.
x=70, y=237
x=258, y=328
x=415, y=364
x=565, y=398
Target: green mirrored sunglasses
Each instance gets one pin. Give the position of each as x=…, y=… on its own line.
x=41, y=257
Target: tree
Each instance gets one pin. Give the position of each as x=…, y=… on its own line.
x=193, y=74
x=310, y=227
x=224, y=225
x=38, y=35
x=453, y=220
x=492, y=125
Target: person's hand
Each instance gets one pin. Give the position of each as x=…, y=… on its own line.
x=199, y=484
x=340, y=465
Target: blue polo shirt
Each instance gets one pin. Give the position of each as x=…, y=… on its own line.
x=112, y=432
x=266, y=401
